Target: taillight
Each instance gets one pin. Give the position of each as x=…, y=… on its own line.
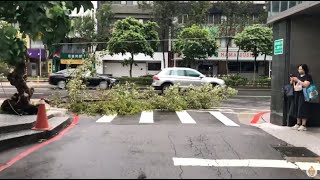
x=155, y=78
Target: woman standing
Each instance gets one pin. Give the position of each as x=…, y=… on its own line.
x=299, y=108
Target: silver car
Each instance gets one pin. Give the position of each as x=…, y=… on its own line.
x=184, y=77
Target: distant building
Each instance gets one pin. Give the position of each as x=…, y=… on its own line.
x=210, y=67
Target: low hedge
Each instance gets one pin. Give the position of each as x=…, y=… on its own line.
x=144, y=81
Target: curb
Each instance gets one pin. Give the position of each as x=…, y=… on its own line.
x=257, y=117
x=32, y=137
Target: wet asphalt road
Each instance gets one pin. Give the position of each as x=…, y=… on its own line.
x=127, y=149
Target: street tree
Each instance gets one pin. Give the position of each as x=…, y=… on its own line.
x=84, y=30
x=134, y=37
x=105, y=17
x=256, y=39
x=163, y=13
x=41, y=20
x=195, y=43
x=198, y=14
x=236, y=16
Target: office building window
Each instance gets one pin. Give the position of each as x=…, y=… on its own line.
x=210, y=19
x=233, y=66
x=183, y=19
x=129, y=2
x=292, y=3
x=284, y=5
x=217, y=19
x=275, y=6
x=154, y=66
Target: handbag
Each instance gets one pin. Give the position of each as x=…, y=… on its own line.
x=311, y=94
x=288, y=90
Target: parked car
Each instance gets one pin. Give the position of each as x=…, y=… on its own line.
x=184, y=77
x=61, y=78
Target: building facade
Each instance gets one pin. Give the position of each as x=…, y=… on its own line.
x=210, y=67
x=296, y=28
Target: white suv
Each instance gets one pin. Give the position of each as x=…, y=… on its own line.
x=184, y=77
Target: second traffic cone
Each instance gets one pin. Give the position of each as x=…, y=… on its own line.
x=42, y=119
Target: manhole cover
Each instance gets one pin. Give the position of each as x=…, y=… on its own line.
x=295, y=151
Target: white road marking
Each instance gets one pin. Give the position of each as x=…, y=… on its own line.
x=106, y=119
x=146, y=117
x=185, y=118
x=226, y=121
x=251, y=97
x=261, y=163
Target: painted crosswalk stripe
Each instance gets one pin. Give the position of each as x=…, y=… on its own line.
x=106, y=119
x=258, y=163
x=185, y=118
x=146, y=117
x=226, y=121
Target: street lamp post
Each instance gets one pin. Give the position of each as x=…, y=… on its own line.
x=40, y=62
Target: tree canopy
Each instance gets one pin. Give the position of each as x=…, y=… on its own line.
x=257, y=39
x=134, y=37
x=195, y=43
x=41, y=20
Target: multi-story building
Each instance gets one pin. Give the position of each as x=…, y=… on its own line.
x=296, y=28
x=212, y=66
x=71, y=53
x=145, y=64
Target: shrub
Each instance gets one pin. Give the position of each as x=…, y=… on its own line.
x=144, y=81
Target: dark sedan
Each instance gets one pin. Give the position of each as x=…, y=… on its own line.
x=62, y=77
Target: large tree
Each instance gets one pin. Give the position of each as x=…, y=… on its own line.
x=43, y=20
x=134, y=37
x=256, y=39
x=195, y=43
x=105, y=18
x=236, y=15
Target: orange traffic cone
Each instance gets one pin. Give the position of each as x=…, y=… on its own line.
x=42, y=119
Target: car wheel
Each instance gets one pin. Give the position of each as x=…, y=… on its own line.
x=61, y=84
x=103, y=85
x=214, y=84
x=165, y=87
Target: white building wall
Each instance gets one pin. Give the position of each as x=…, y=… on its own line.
x=107, y=64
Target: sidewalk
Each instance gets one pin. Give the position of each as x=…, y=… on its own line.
x=30, y=84
x=309, y=139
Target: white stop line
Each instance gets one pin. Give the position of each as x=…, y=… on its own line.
x=267, y=163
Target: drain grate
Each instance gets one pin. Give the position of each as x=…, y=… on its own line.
x=295, y=151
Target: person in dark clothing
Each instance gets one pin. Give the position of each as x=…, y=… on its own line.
x=299, y=108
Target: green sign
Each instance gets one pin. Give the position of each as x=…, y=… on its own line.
x=278, y=47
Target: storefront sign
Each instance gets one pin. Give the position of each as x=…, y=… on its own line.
x=71, y=61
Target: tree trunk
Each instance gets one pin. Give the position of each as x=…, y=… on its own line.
x=19, y=103
x=227, y=56
x=163, y=47
x=265, y=65
x=254, y=70
x=131, y=63
x=238, y=61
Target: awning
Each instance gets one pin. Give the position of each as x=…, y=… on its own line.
x=35, y=54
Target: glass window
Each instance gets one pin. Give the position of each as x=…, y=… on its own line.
x=210, y=19
x=292, y=3
x=192, y=73
x=185, y=18
x=180, y=19
x=129, y=2
x=154, y=66
x=247, y=67
x=116, y=2
x=284, y=5
x=178, y=73
x=217, y=19
x=275, y=6
x=233, y=67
